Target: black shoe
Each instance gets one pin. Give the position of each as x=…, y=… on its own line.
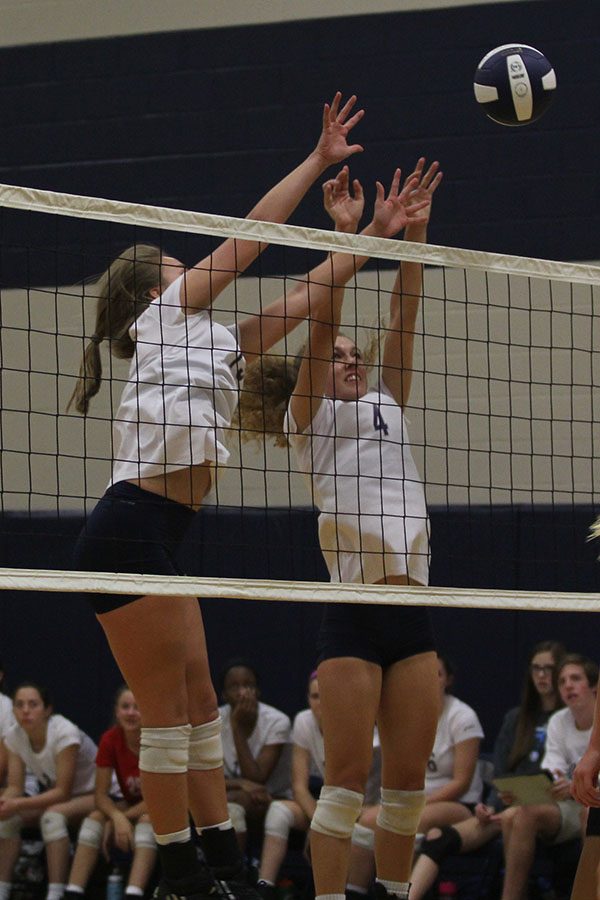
x=237, y=882
x=380, y=892
x=266, y=891
x=200, y=886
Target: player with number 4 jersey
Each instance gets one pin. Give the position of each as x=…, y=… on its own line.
x=370, y=525
x=376, y=662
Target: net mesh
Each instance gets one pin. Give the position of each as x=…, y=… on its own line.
x=503, y=410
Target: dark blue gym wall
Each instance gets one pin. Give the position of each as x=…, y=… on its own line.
x=208, y=120
x=55, y=639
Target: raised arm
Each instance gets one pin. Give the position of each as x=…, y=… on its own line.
x=211, y=275
x=398, y=351
x=259, y=332
x=390, y=215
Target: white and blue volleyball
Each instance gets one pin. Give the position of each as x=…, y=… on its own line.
x=514, y=84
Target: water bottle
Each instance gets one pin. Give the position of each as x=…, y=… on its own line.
x=114, y=886
x=447, y=890
x=539, y=742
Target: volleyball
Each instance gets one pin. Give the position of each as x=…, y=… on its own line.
x=514, y=84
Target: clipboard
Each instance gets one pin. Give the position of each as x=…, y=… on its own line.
x=527, y=790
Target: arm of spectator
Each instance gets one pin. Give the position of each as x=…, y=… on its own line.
x=300, y=781
x=15, y=785
x=3, y=762
x=122, y=828
x=66, y=760
x=465, y=760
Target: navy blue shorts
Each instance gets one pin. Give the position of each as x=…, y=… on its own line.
x=131, y=530
x=378, y=633
x=593, y=822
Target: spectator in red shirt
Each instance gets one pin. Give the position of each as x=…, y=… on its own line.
x=122, y=822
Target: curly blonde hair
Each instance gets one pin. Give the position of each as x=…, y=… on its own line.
x=268, y=386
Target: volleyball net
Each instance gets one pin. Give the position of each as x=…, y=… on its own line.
x=504, y=412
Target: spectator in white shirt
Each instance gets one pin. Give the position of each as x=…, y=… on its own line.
x=62, y=758
x=562, y=818
x=255, y=749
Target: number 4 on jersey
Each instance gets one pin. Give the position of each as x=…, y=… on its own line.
x=379, y=423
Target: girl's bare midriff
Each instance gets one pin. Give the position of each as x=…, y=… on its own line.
x=187, y=486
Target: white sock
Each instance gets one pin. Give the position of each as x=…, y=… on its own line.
x=132, y=890
x=358, y=889
x=330, y=897
x=5, y=889
x=399, y=888
x=267, y=882
x=75, y=889
x=55, y=891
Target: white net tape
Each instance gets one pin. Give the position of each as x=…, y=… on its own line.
x=289, y=235
x=295, y=591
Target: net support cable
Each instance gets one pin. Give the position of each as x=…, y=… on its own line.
x=55, y=203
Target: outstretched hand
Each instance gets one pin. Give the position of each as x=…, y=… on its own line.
x=426, y=186
x=333, y=145
x=344, y=208
x=399, y=208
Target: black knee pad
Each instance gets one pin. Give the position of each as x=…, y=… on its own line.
x=593, y=822
x=437, y=849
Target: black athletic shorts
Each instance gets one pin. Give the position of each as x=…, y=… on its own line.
x=379, y=633
x=131, y=530
x=593, y=822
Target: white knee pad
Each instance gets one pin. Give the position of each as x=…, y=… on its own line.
x=206, y=749
x=400, y=810
x=337, y=811
x=363, y=837
x=143, y=835
x=237, y=814
x=165, y=750
x=53, y=826
x=11, y=828
x=90, y=833
x=279, y=820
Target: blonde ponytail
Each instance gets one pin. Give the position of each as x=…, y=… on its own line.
x=123, y=292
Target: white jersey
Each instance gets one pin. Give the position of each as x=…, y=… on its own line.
x=60, y=733
x=307, y=734
x=565, y=743
x=7, y=718
x=181, y=392
x=457, y=723
x=373, y=517
x=272, y=727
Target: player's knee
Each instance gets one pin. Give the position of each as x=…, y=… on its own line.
x=237, y=814
x=363, y=837
x=10, y=828
x=206, y=749
x=440, y=843
x=91, y=831
x=337, y=811
x=400, y=811
x=165, y=750
x=143, y=836
x=279, y=820
x=53, y=826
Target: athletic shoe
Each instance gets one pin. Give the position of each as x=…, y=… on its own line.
x=200, y=886
x=266, y=891
x=381, y=893
x=237, y=882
